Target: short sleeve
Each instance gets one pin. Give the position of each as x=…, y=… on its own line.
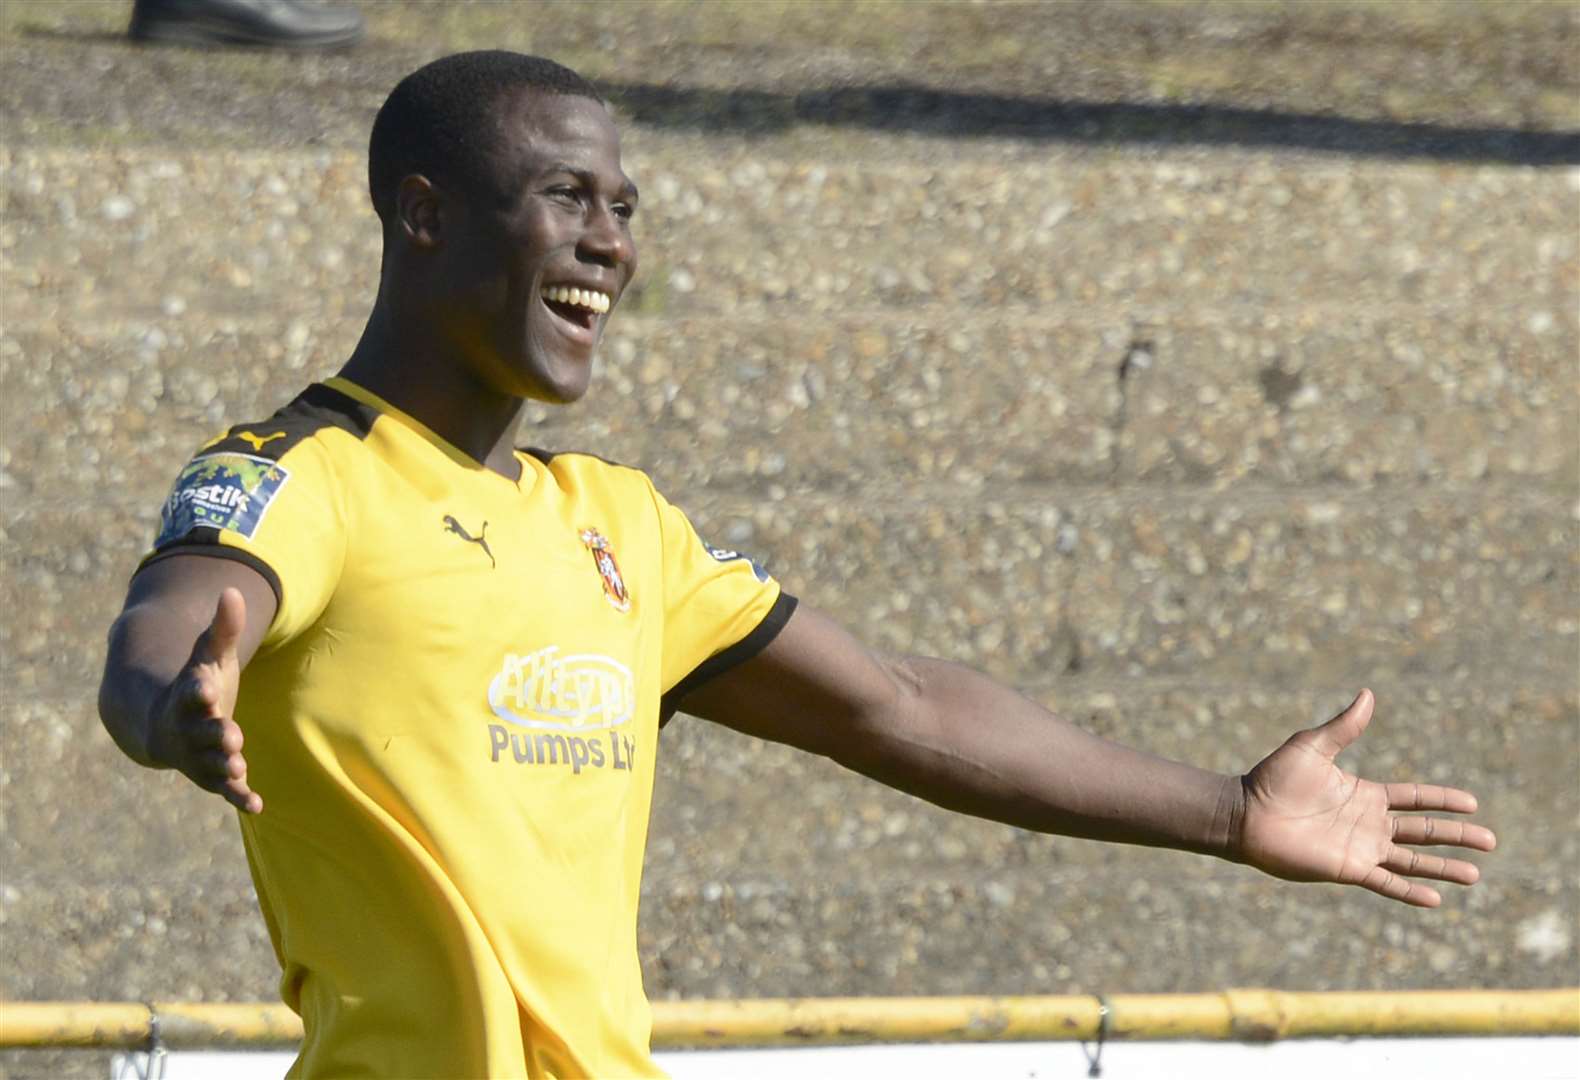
x=273, y=508
x=720, y=607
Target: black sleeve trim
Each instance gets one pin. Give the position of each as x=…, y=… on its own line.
x=314, y=409
x=194, y=544
x=547, y=456
x=722, y=661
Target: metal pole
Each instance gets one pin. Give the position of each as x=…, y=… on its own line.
x=1235, y=1015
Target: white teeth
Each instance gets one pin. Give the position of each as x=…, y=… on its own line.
x=590, y=299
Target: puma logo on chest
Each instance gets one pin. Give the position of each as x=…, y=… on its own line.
x=453, y=526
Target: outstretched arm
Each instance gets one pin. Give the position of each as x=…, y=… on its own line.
x=173, y=668
x=958, y=739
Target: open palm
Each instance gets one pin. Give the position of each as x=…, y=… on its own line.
x=1308, y=820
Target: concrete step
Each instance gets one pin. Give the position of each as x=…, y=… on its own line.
x=1070, y=397
x=74, y=805
x=879, y=405
x=1137, y=923
x=1032, y=587
x=68, y=789
x=1283, y=589
x=1121, y=230
x=55, y=1064
x=1142, y=927
x=130, y=231
x=154, y=929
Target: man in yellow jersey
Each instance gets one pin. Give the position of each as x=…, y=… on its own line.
x=450, y=658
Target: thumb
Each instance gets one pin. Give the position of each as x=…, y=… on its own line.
x=1332, y=737
x=224, y=630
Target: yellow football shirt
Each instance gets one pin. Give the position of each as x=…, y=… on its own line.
x=453, y=721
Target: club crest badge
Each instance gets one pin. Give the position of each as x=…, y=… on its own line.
x=614, y=589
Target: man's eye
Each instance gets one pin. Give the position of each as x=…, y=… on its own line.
x=624, y=211
x=565, y=194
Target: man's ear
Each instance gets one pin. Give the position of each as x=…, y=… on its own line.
x=417, y=213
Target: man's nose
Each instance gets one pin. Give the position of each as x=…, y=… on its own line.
x=607, y=240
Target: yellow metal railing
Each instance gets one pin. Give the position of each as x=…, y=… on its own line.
x=1243, y=1015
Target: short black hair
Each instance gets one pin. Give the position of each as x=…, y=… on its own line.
x=438, y=121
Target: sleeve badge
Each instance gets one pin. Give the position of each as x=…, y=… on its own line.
x=221, y=491
x=726, y=555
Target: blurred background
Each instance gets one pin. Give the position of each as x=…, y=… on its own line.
x=1189, y=365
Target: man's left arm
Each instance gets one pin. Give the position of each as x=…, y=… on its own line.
x=956, y=738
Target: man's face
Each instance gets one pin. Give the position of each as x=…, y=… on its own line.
x=531, y=270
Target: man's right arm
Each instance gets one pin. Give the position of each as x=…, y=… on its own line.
x=190, y=625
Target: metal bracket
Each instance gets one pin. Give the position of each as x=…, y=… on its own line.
x=148, y=1064
x=1105, y=1020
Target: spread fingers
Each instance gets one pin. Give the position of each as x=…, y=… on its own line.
x=1408, y=861
x=1395, y=887
x=1430, y=797
x=1425, y=830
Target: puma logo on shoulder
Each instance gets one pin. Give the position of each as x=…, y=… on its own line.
x=453, y=526
x=255, y=441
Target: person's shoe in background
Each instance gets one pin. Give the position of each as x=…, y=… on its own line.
x=287, y=24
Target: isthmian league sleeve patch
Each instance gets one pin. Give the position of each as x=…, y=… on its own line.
x=221, y=491
x=726, y=555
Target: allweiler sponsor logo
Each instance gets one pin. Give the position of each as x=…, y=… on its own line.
x=569, y=706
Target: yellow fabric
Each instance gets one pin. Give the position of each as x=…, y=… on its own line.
x=455, y=744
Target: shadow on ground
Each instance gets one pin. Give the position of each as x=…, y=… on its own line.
x=253, y=97
x=925, y=110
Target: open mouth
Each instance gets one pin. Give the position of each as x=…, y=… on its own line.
x=580, y=308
